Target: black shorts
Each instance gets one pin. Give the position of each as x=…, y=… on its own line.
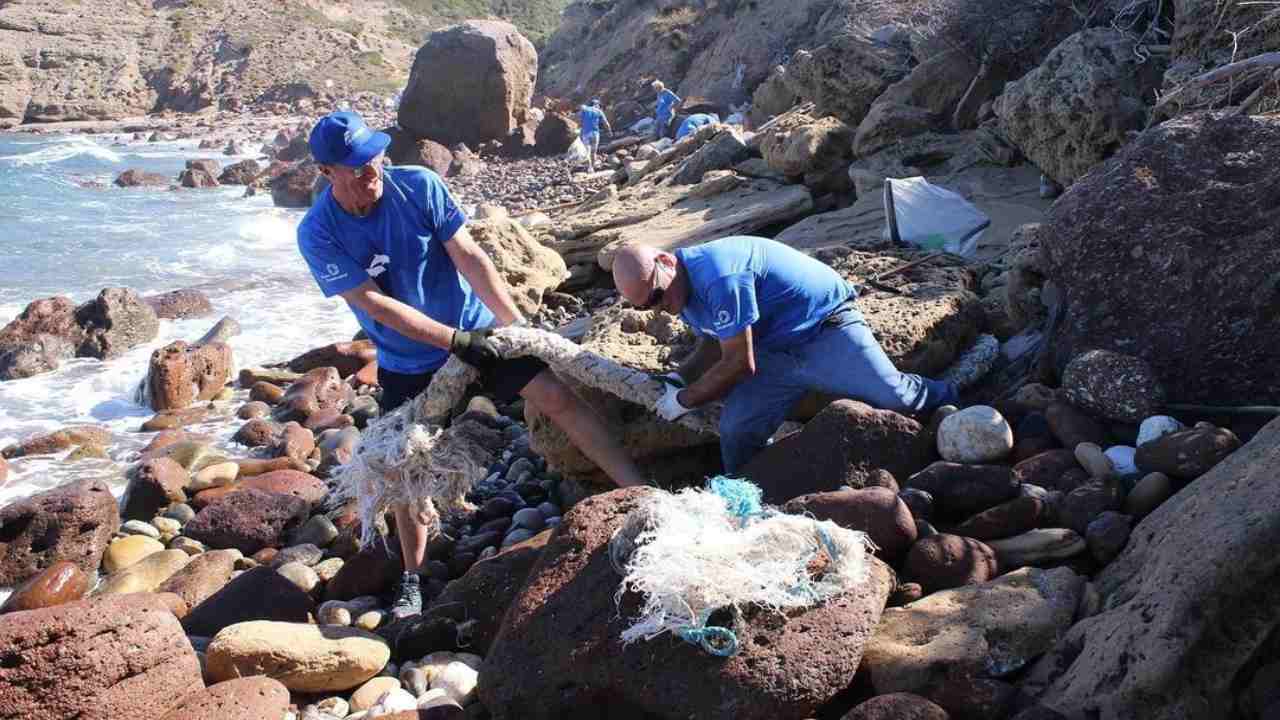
x=504, y=382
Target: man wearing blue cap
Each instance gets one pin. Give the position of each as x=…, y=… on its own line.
x=394, y=244
x=590, y=118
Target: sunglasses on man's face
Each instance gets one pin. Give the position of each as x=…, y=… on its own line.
x=371, y=167
x=655, y=293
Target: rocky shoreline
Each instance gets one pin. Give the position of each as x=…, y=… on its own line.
x=1087, y=534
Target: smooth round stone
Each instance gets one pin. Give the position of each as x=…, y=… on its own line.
x=1094, y=461
x=319, y=531
x=530, y=519
x=516, y=536
x=549, y=510
x=187, y=545
x=1157, y=426
x=975, y=435
x=217, y=475
x=487, y=553
x=335, y=706
x=138, y=527
x=181, y=512
x=518, y=468
x=328, y=569
x=919, y=502
x=128, y=551
x=395, y=701
x=306, y=554
x=370, y=620
x=168, y=527
x=1121, y=457
x=253, y=409
x=368, y=694
x=304, y=577
x=1151, y=490
x=459, y=680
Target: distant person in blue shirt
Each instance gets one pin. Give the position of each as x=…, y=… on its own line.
x=394, y=244
x=666, y=109
x=591, y=117
x=695, y=121
x=785, y=324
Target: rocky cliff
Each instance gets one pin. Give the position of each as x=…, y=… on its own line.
x=715, y=49
x=105, y=59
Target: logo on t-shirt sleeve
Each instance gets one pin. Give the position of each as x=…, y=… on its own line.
x=332, y=272
x=723, y=320
x=378, y=266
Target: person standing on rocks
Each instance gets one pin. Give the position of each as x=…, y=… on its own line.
x=393, y=243
x=666, y=109
x=591, y=118
x=785, y=324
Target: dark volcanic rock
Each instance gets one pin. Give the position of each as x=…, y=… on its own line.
x=490, y=586
x=248, y=520
x=567, y=616
x=179, y=304
x=842, y=445
x=112, y=656
x=1188, y=207
x=370, y=572
x=1187, y=454
x=72, y=522
x=114, y=322
x=258, y=594
x=154, y=485
x=945, y=561
x=960, y=491
x=877, y=511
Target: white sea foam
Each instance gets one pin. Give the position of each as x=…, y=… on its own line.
x=61, y=149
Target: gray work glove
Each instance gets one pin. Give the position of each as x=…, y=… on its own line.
x=474, y=348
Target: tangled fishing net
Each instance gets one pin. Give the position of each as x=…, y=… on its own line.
x=413, y=456
x=696, y=553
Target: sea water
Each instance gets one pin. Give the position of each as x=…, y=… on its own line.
x=65, y=229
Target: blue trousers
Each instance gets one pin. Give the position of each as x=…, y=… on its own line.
x=843, y=359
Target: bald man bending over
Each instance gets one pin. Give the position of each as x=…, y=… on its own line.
x=785, y=323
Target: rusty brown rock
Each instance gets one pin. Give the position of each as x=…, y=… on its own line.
x=60, y=583
x=489, y=587
x=944, y=561
x=319, y=389
x=257, y=594
x=1187, y=454
x=249, y=698
x=345, y=357
x=248, y=520
x=73, y=522
x=122, y=657
x=206, y=574
x=180, y=374
x=154, y=485
x=48, y=443
x=876, y=511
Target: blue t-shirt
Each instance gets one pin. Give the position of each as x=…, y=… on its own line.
x=401, y=246
x=736, y=282
x=590, y=118
x=666, y=101
x=693, y=122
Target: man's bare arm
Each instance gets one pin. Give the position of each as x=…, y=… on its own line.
x=705, y=354
x=737, y=361
x=402, y=318
x=478, y=269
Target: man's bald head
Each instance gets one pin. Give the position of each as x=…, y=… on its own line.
x=633, y=268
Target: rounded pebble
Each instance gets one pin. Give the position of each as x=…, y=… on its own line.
x=975, y=435
x=530, y=519
x=1157, y=426
x=1121, y=457
x=138, y=527
x=1153, y=489
x=181, y=512
x=1094, y=461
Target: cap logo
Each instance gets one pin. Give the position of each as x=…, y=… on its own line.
x=356, y=135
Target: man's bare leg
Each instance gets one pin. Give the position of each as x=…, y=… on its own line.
x=551, y=397
x=413, y=538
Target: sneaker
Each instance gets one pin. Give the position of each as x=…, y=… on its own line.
x=408, y=596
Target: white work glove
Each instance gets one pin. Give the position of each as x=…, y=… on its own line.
x=669, y=407
x=671, y=378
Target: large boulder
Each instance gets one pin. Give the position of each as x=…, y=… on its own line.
x=180, y=304
x=567, y=622
x=248, y=520
x=799, y=144
x=406, y=149
x=154, y=484
x=844, y=445
x=470, y=83
x=39, y=339
x=1128, y=248
x=113, y=656
x=489, y=588
x=72, y=522
x=876, y=511
x=250, y=698
x=258, y=594
x=846, y=75
x=555, y=133
x=724, y=150
x=114, y=322
x=1075, y=110
x=772, y=97
x=345, y=357
x=529, y=268
x=1188, y=602
x=241, y=173
x=927, y=98
x=305, y=658
x=180, y=374
x=296, y=186
x=992, y=630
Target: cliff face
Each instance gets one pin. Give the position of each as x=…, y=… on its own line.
x=105, y=59
x=715, y=49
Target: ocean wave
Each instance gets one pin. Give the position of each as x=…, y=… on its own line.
x=62, y=149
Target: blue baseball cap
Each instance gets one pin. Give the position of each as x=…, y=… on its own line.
x=342, y=138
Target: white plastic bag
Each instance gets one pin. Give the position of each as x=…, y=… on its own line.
x=578, y=151
x=931, y=217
